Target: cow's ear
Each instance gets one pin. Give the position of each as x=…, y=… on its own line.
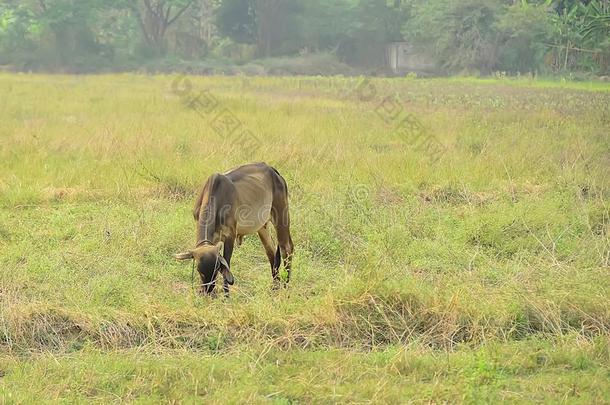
x=184, y=256
x=226, y=272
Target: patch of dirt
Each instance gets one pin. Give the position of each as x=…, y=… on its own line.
x=456, y=196
x=388, y=196
x=58, y=193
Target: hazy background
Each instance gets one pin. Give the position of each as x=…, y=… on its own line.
x=306, y=37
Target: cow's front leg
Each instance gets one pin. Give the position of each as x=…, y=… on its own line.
x=227, y=253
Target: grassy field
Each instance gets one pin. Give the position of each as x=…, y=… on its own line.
x=465, y=260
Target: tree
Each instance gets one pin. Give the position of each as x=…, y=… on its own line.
x=54, y=32
x=235, y=19
x=267, y=13
x=373, y=24
x=156, y=16
x=259, y=22
x=595, y=33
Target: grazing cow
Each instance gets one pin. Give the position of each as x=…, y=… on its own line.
x=240, y=202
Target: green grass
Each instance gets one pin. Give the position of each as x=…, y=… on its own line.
x=482, y=276
x=517, y=372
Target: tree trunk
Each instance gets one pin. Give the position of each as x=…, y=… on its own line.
x=266, y=12
x=155, y=17
x=206, y=21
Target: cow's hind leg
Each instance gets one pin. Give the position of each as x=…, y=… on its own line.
x=267, y=242
x=281, y=221
x=286, y=249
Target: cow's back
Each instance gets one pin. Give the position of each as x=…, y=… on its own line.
x=254, y=185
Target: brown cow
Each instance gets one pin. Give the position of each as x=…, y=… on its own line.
x=240, y=202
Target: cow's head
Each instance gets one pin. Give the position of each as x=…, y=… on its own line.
x=209, y=263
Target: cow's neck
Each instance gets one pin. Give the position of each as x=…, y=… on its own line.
x=207, y=224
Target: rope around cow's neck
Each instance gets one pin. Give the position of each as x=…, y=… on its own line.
x=193, y=279
x=203, y=243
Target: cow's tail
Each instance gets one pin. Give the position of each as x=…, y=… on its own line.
x=277, y=261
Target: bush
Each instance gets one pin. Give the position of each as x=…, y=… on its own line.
x=524, y=30
x=459, y=35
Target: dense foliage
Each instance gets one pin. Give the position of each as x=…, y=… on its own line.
x=485, y=36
